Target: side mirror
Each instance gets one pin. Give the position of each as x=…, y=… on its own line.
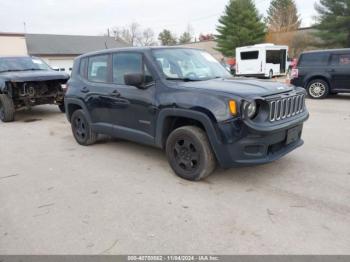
x=136, y=80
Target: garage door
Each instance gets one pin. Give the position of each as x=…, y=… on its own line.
x=64, y=65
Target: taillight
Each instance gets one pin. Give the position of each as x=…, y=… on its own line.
x=295, y=73
x=261, y=66
x=236, y=68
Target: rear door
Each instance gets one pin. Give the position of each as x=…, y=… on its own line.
x=97, y=89
x=340, y=71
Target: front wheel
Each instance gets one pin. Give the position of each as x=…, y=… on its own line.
x=81, y=129
x=7, y=108
x=189, y=153
x=318, y=89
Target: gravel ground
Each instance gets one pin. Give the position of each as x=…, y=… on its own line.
x=118, y=197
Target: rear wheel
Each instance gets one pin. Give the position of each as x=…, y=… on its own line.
x=270, y=74
x=318, y=89
x=7, y=108
x=81, y=129
x=189, y=153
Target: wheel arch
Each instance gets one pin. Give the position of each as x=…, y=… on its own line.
x=170, y=119
x=73, y=104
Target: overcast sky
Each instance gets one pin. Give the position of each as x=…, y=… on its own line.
x=93, y=17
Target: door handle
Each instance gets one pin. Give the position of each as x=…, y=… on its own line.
x=85, y=90
x=115, y=93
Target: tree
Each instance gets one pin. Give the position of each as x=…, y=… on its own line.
x=334, y=22
x=134, y=36
x=240, y=25
x=185, y=38
x=167, y=38
x=129, y=34
x=147, y=38
x=282, y=16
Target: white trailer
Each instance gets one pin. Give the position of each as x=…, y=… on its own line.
x=263, y=60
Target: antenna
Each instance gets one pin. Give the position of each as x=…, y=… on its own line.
x=25, y=27
x=106, y=45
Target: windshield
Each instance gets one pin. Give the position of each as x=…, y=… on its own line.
x=189, y=64
x=22, y=64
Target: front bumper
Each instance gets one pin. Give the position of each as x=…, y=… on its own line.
x=251, y=146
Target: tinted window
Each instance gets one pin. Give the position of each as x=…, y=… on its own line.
x=97, y=71
x=250, y=55
x=82, y=67
x=341, y=60
x=314, y=59
x=129, y=63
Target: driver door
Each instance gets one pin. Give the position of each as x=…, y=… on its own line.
x=134, y=110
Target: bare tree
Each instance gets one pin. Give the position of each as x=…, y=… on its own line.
x=147, y=38
x=129, y=34
x=134, y=36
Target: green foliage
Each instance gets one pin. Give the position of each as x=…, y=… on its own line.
x=167, y=38
x=334, y=23
x=282, y=16
x=240, y=25
x=185, y=38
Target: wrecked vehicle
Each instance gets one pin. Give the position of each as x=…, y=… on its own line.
x=26, y=82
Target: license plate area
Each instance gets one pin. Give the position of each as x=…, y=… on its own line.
x=293, y=135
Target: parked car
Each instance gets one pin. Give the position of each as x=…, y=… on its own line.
x=323, y=72
x=199, y=117
x=26, y=82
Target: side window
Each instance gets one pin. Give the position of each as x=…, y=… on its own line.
x=252, y=55
x=97, y=69
x=340, y=60
x=314, y=59
x=129, y=63
x=82, y=67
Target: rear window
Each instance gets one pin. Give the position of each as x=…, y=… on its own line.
x=314, y=59
x=252, y=55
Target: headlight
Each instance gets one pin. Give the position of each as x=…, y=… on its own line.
x=250, y=108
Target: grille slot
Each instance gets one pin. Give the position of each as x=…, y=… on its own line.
x=283, y=108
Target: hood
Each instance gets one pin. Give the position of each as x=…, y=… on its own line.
x=24, y=76
x=241, y=86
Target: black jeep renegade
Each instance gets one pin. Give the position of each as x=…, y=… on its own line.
x=184, y=101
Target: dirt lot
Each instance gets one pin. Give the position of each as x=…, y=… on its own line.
x=118, y=197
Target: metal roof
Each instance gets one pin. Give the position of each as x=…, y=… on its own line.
x=45, y=44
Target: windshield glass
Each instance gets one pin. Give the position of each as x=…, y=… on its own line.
x=189, y=64
x=22, y=64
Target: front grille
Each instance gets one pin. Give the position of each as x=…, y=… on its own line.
x=283, y=108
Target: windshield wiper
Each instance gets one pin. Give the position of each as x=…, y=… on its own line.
x=32, y=69
x=185, y=79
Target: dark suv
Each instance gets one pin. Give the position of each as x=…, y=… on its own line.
x=184, y=101
x=323, y=72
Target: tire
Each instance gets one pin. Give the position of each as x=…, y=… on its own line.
x=270, y=74
x=318, y=89
x=81, y=129
x=62, y=108
x=189, y=153
x=7, y=109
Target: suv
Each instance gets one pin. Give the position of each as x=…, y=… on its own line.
x=26, y=82
x=323, y=72
x=184, y=101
